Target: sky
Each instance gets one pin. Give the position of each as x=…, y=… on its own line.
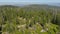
x=2, y=2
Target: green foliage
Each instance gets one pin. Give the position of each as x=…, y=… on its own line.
x=31, y=20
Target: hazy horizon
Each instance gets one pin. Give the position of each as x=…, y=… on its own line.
x=12, y=2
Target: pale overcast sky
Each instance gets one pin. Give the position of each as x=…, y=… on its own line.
x=28, y=1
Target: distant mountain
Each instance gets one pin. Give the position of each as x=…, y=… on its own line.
x=33, y=5
x=51, y=4
x=54, y=4
x=15, y=5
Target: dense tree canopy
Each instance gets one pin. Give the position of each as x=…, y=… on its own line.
x=33, y=19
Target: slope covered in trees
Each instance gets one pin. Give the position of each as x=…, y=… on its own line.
x=31, y=19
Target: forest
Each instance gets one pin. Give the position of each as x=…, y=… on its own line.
x=30, y=19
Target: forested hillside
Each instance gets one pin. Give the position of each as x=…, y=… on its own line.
x=31, y=19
